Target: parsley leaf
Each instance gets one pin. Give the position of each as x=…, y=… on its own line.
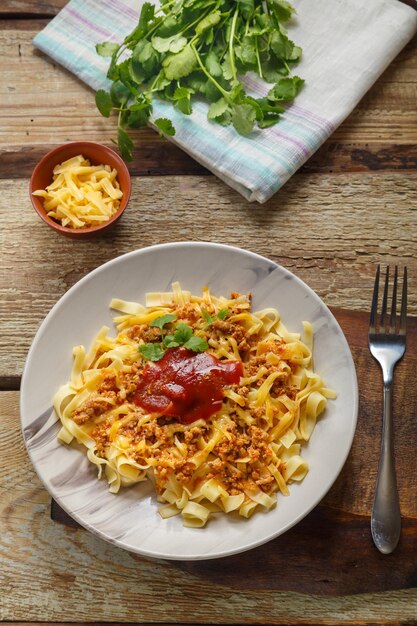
x=147, y=14
x=282, y=9
x=165, y=126
x=213, y=65
x=161, y=321
x=107, y=48
x=182, y=97
x=286, y=89
x=223, y=313
x=247, y=7
x=207, y=22
x=182, y=333
x=151, y=351
x=170, y=342
x=217, y=109
x=104, y=102
x=197, y=344
x=125, y=144
x=178, y=65
x=174, y=44
x=209, y=319
x=243, y=118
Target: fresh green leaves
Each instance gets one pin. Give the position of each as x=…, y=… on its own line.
x=104, y=102
x=200, y=48
x=243, y=118
x=173, y=44
x=183, y=335
x=107, y=49
x=163, y=320
x=221, y=315
x=217, y=109
x=285, y=89
x=125, y=144
x=178, y=65
x=207, y=22
x=165, y=126
x=151, y=351
x=281, y=9
x=196, y=344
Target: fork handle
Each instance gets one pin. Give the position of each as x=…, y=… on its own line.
x=386, y=515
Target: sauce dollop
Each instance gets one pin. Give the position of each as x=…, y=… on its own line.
x=186, y=385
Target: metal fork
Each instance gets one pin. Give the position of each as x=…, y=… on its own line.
x=387, y=345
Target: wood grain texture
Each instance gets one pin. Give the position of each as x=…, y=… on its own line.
x=45, y=564
x=329, y=230
x=379, y=135
x=25, y=9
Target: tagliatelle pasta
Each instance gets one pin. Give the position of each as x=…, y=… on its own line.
x=210, y=401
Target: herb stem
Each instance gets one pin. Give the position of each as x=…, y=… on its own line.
x=209, y=76
x=197, y=21
x=258, y=58
x=247, y=27
x=231, y=46
x=164, y=6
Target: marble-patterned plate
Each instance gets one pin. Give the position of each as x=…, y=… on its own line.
x=130, y=519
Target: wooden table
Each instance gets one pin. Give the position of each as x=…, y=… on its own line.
x=353, y=205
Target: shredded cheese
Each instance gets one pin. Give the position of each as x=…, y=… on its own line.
x=81, y=195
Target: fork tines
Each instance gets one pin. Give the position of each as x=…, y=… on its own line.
x=374, y=327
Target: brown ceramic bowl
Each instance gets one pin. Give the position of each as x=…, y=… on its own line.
x=97, y=154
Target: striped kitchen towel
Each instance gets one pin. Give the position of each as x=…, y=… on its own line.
x=346, y=45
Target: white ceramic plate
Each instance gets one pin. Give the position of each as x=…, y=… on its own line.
x=130, y=519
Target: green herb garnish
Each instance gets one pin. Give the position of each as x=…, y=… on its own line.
x=183, y=333
x=221, y=315
x=196, y=343
x=183, y=336
x=151, y=351
x=199, y=48
x=161, y=321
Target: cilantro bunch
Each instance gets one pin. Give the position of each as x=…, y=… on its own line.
x=186, y=49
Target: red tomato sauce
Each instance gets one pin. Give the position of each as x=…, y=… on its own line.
x=186, y=385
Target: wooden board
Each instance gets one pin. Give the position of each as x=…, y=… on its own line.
x=331, y=551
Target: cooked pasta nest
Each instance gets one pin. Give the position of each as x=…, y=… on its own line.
x=235, y=462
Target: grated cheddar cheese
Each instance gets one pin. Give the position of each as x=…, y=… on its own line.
x=81, y=194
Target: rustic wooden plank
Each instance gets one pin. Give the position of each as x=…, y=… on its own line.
x=329, y=230
x=24, y=8
x=28, y=8
x=379, y=135
x=28, y=23
x=288, y=622
x=156, y=157
x=153, y=157
x=42, y=562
